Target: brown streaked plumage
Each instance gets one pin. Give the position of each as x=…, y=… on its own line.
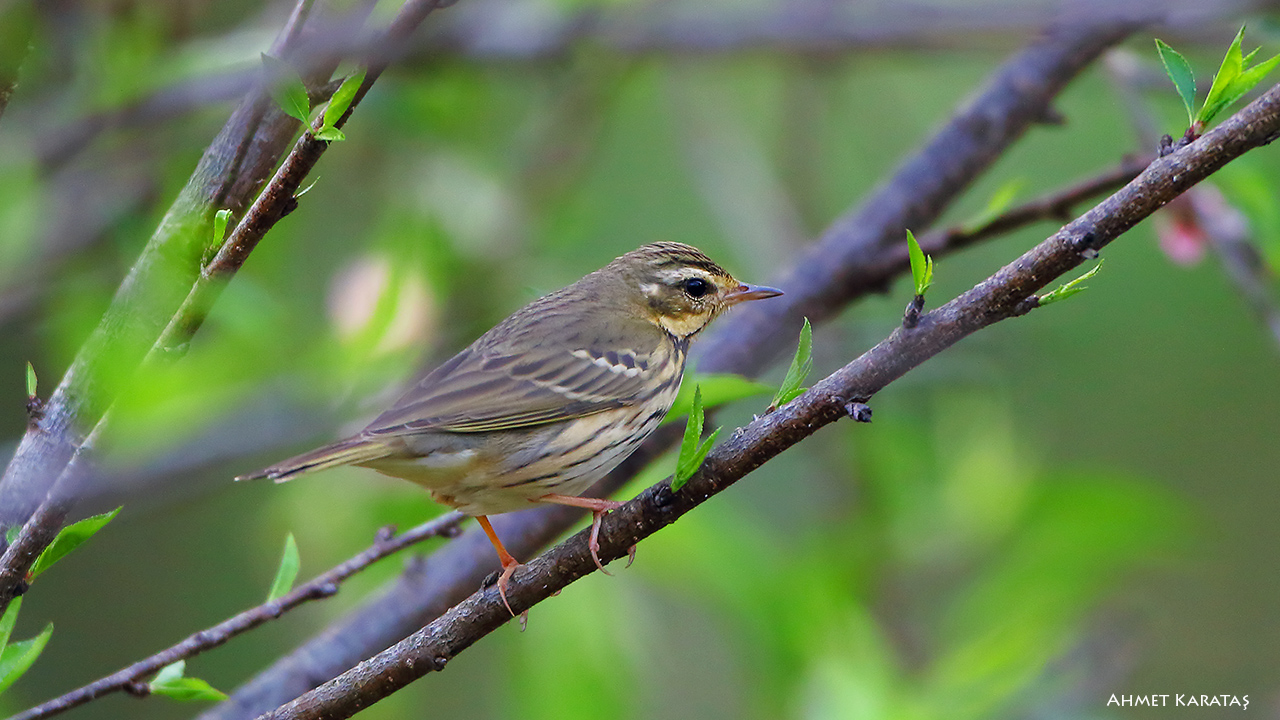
x=552, y=398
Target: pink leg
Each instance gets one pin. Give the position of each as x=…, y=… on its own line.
x=598, y=509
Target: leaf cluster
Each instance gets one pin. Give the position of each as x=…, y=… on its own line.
x=1233, y=80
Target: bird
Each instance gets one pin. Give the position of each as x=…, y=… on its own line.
x=549, y=400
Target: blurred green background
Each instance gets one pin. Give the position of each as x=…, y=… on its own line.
x=1076, y=503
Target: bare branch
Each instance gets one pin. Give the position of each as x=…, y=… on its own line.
x=319, y=588
x=1001, y=296
x=824, y=280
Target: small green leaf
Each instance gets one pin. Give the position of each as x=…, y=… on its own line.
x=801, y=364
x=1062, y=292
x=8, y=620
x=31, y=380
x=287, y=88
x=692, y=452
x=170, y=683
x=220, y=219
x=717, y=389
x=11, y=534
x=1233, y=80
x=329, y=133
x=68, y=539
x=921, y=265
x=1000, y=201
x=17, y=658
x=288, y=570
x=1179, y=71
x=341, y=100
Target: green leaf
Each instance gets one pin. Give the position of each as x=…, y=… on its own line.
x=1000, y=201
x=68, y=539
x=31, y=380
x=11, y=534
x=1062, y=292
x=288, y=570
x=171, y=683
x=921, y=265
x=692, y=452
x=287, y=88
x=717, y=389
x=8, y=620
x=220, y=219
x=17, y=658
x=341, y=100
x=801, y=364
x=1233, y=80
x=1179, y=71
x=329, y=133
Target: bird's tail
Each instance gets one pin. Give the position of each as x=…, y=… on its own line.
x=352, y=451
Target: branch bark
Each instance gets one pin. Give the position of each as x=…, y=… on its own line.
x=322, y=586
x=830, y=275
x=1005, y=294
x=166, y=297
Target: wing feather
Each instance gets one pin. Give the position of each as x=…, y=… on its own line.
x=523, y=381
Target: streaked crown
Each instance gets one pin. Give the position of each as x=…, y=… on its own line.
x=679, y=288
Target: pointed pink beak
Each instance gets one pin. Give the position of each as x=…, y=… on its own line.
x=746, y=292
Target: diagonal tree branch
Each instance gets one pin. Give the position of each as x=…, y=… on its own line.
x=824, y=280
x=320, y=587
x=142, y=325
x=1008, y=293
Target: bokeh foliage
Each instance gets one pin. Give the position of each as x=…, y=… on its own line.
x=1065, y=506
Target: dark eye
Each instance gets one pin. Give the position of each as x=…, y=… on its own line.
x=696, y=287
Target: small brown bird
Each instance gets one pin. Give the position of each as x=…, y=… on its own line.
x=551, y=399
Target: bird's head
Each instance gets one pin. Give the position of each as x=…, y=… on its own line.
x=681, y=289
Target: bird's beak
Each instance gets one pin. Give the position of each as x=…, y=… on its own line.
x=750, y=292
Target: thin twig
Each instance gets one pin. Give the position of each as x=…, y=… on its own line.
x=322, y=586
x=1056, y=205
x=822, y=282
x=275, y=201
x=1001, y=296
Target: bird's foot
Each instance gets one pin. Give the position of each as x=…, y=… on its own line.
x=599, y=508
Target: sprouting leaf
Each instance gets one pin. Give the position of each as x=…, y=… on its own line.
x=9, y=619
x=171, y=683
x=801, y=364
x=68, y=539
x=999, y=201
x=11, y=534
x=717, y=389
x=288, y=570
x=220, y=219
x=1064, y=291
x=692, y=452
x=921, y=265
x=341, y=100
x=329, y=133
x=1179, y=71
x=287, y=88
x=1233, y=79
x=31, y=380
x=18, y=657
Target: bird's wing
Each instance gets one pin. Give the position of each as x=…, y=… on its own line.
x=519, y=384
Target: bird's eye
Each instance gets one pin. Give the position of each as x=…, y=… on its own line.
x=696, y=287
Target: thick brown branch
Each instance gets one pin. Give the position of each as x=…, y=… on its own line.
x=322, y=586
x=824, y=281
x=999, y=297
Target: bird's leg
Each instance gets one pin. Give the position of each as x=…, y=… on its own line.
x=509, y=563
x=598, y=508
